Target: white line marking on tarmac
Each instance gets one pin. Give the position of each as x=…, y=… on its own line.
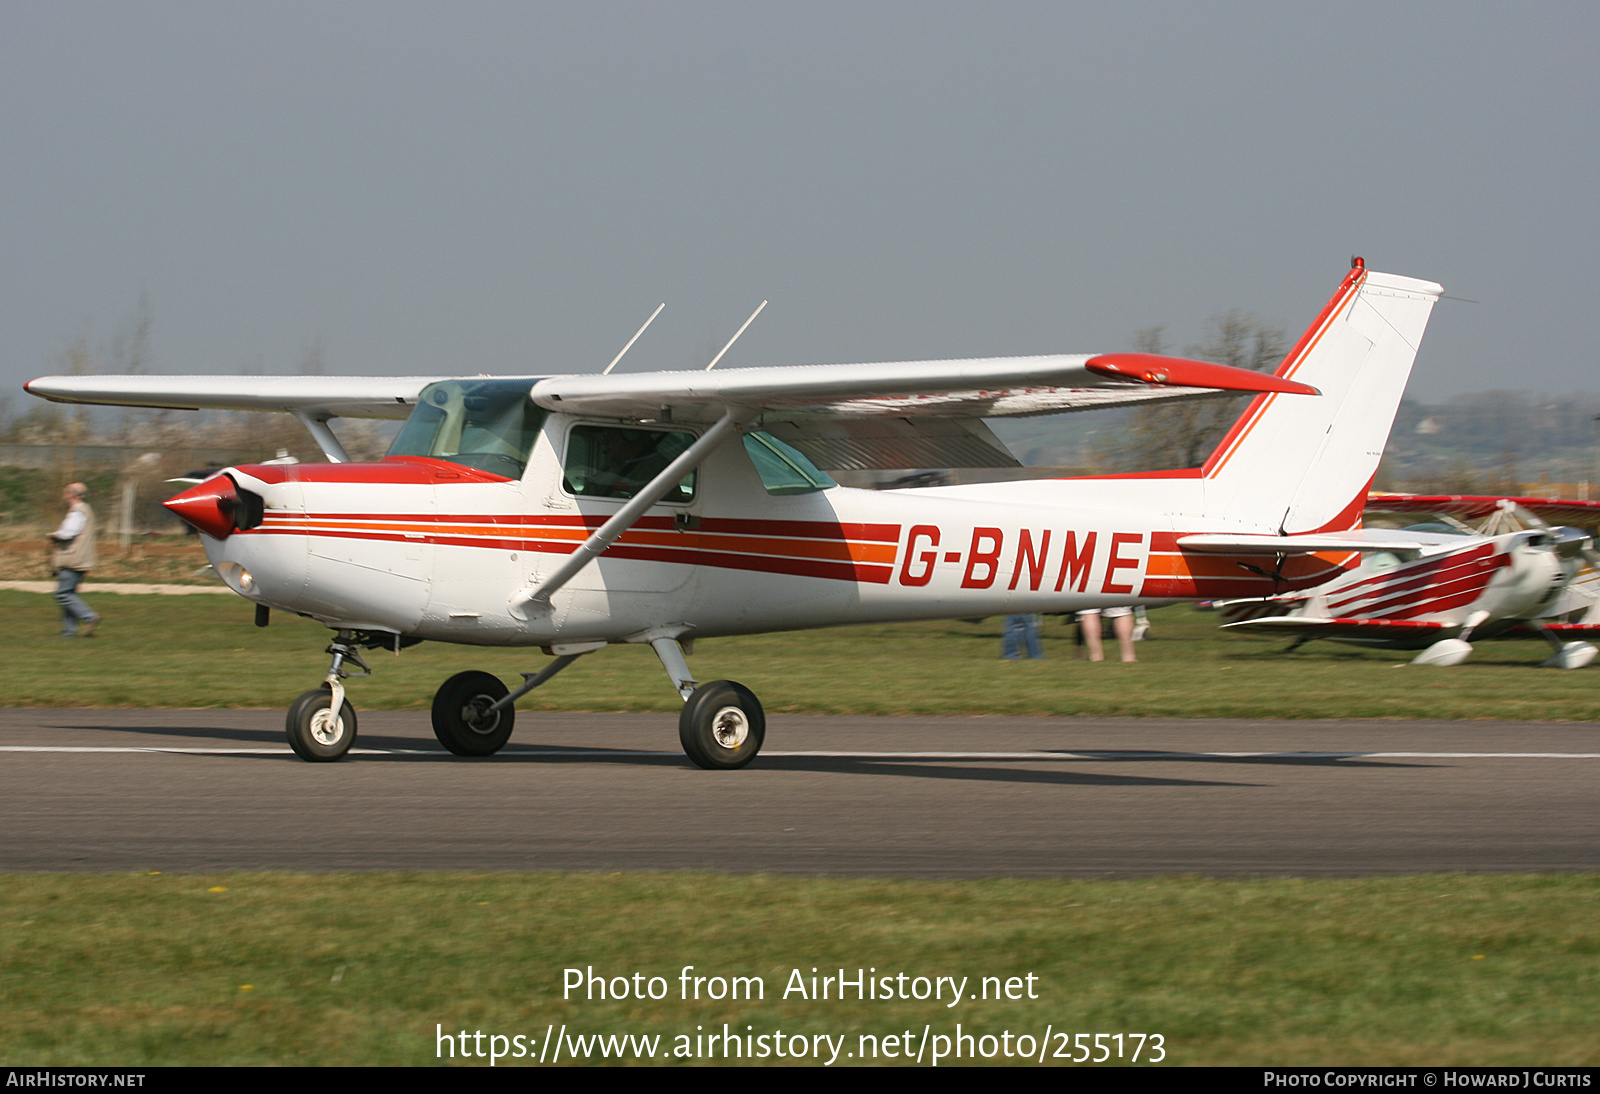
x=564, y=753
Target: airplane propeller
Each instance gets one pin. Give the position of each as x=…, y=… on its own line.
x=1568, y=542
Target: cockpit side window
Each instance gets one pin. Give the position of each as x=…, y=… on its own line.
x=487, y=424
x=615, y=462
x=783, y=468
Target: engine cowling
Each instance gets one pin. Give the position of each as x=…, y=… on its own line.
x=218, y=507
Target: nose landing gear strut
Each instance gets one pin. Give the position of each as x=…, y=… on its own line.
x=321, y=724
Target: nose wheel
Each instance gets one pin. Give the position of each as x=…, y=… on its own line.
x=321, y=725
x=316, y=732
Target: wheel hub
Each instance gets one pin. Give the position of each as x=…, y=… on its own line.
x=326, y=728
x=477, y=716
x=730, y=727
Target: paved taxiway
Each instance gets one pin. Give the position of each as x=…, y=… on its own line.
x=188, y=790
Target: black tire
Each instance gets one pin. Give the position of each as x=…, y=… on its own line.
x=312, y=736
x=722, y=725
x=459, y=718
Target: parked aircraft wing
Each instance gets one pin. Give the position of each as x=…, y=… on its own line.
x=1362, y=539
x=1476, y=507
x=1567, y=631
x=313, y=396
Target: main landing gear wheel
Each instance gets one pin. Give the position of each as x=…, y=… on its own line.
x=722, y=725
x=462, y=719
x=315, y=733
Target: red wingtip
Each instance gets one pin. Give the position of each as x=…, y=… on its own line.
x=209, y=507
x=1150, y=368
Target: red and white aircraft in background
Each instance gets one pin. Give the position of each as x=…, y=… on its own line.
x=569, y=512
x=1512, y=574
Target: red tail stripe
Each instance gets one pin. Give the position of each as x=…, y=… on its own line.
x=1347, y=288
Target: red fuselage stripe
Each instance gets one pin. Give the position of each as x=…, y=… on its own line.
x=690, y=556
x=797, y=529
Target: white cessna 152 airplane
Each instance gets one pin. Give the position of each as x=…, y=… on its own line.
x=572, y=511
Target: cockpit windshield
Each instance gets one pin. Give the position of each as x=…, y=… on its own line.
x=486, y=424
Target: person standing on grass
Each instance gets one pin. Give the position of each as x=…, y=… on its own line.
x=73, y=558
x=1121, y=625
x=1021, y=633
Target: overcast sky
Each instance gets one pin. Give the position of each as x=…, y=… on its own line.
x=418, y=188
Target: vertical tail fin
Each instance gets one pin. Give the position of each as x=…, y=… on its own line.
x=1303, y=464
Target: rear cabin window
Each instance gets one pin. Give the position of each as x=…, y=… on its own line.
x=783, y=468
x=615, y=462
x=486, y=424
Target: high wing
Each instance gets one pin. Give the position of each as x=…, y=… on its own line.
x=897, y=415
x=313, y=396
x=905, y=414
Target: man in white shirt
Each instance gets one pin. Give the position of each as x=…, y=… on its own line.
x=74, y=557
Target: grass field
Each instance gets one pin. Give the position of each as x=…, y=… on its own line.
x=157, y=651
x=360, y=969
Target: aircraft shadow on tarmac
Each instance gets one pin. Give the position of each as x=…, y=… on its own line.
x=422, y=750
x=926, y=769
x=1278, y=759
x=267, y=738
x=828, y=765
x=414, y=750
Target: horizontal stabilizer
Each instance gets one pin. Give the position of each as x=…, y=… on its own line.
x=1363, y=539
x=1372, y=630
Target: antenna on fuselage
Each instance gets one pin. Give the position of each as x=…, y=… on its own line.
x=634, y=339
x=736, y=334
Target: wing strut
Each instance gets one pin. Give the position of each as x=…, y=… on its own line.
x=624, y=518
x=323, y=434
